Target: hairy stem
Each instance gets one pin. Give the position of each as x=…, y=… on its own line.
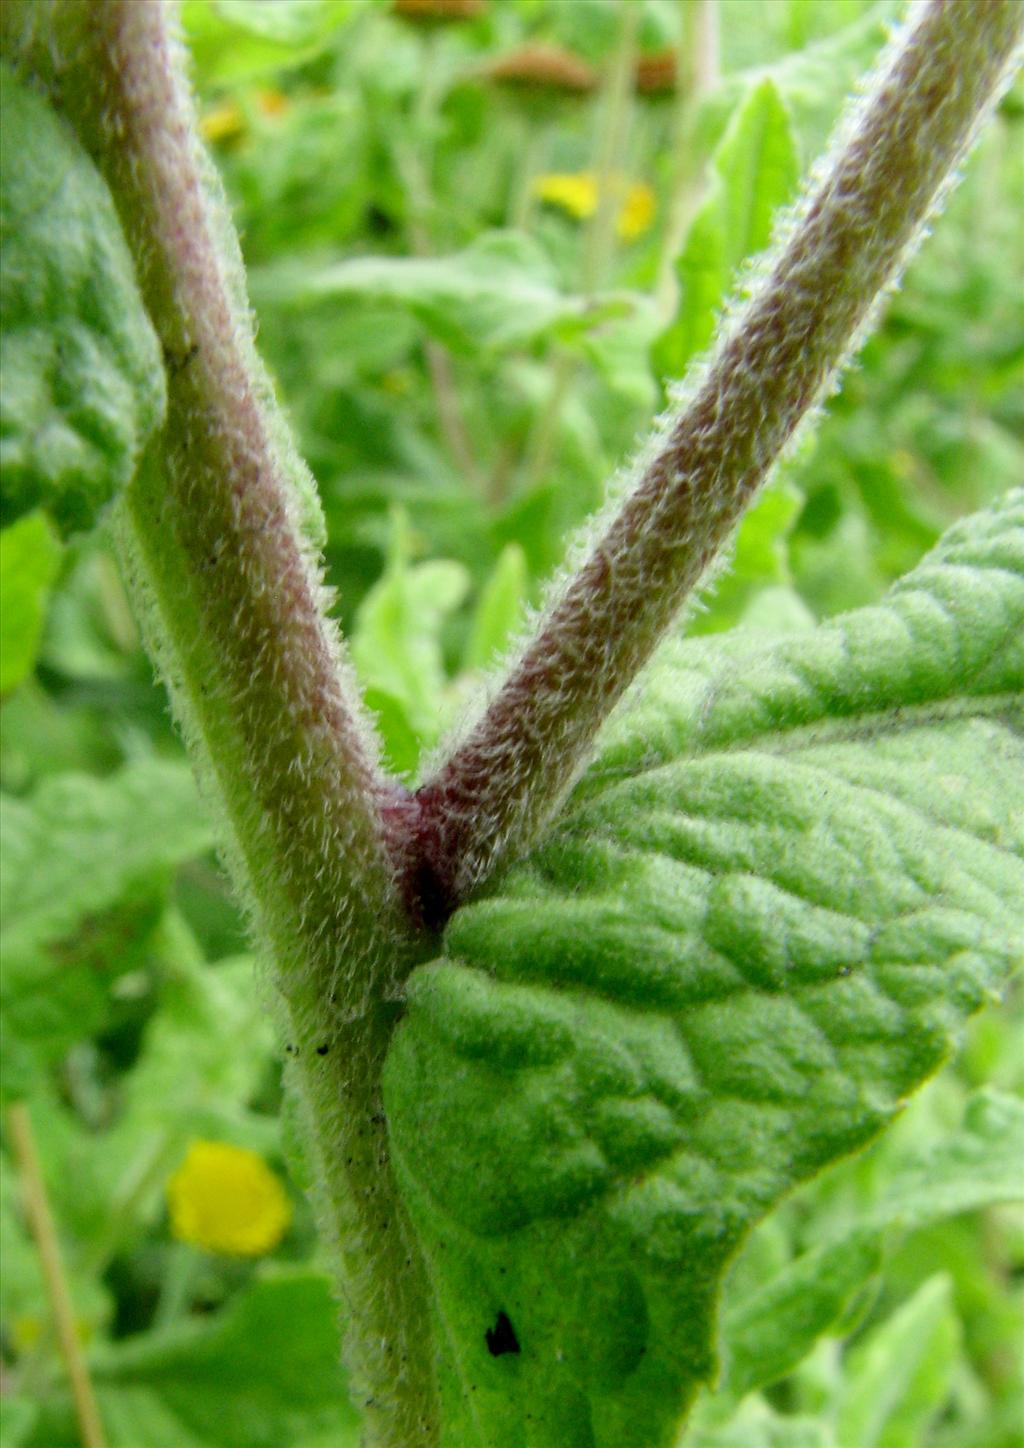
x=775, y=358
x=212, y=534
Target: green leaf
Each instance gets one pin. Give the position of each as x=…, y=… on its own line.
x=897, y=1380
x=204, y=1053
x=768, y=1331
x=754, y=170
x=230, y=39
x=396, y=646
x=499, y=294
x=500, y=610
x=620, y=349
x=760, y=558
x=17, y=1419
x=264, y=1373
x=289, y=22
x=82, y=384
x=790, y=873
x=757, y=1426
x=29, y=557
x=79, y=866
x=981, y=1164
x=773, y=1329
x=815, y=82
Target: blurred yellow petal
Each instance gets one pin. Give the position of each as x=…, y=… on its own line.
x=227, y=1199
x=572, y=193
x=577, y=194
x=637, y=211
x=272, y=103
x=223, y=123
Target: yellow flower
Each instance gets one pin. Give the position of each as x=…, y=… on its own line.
x=577, y=194
x=637, y=211
x=272, y=103
x=227, y=1199
x=223, y=123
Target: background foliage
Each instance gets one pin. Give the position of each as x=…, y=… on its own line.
x=462, y=269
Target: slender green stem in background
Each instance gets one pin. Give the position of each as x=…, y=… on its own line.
x=599, y=241
x=180, y=1272
x=44, y=1233
x=234, y=610
x=698, y=74
x=599, y=244
x=776, y=357
x=533, y=138
x=414, y=161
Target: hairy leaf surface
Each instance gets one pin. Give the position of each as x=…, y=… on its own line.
x=790, y=873
x=83, y=384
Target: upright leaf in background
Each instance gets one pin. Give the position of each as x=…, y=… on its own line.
x=754, y=170
x=898, y=1379
x=500, y=610
x=396, y=647
x=791, y=872
x=82, y=383
x=229, y=39
x=768, y=1331
x=29, y=556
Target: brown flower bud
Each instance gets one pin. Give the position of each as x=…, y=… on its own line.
x=437, y=10
x=543, y=67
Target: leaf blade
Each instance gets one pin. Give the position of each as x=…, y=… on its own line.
x=789, y=874
x=83, y=381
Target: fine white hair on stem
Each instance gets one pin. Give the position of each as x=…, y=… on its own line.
x=778, y=355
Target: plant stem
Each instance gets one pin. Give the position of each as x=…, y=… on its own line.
x=180, y=1273
x=44, y=1233
x=233, y=607
x=698, y=74
x=415, y=171
x=776, y=356
x=599, y=240
x=599, y=244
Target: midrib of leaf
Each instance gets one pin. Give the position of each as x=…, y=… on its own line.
x=862, y=728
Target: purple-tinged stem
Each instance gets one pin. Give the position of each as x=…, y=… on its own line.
x=775, y=359
x=212, y=534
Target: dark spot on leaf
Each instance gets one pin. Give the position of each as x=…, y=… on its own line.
x=322, y=1050
x=501, y=1338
